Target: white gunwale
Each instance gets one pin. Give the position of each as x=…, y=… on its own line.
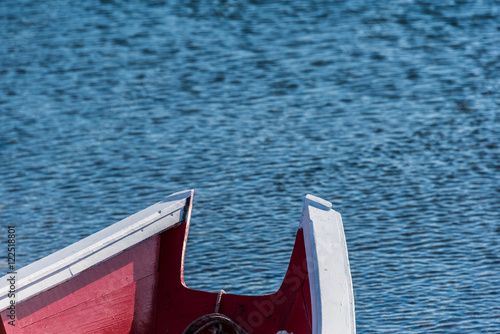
x=332, y=297
x=92, y=250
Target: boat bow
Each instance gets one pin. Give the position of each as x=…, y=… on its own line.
x=129, y=278
x=96, y=248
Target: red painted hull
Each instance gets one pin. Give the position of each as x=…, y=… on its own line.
x=142, y=290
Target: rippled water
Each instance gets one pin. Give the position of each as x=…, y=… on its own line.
x=390, y=110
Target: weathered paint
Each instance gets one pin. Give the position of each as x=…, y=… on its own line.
x=118, y=293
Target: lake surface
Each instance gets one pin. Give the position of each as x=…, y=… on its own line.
x=390, y=110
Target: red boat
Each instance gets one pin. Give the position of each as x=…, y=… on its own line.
x=128, y=278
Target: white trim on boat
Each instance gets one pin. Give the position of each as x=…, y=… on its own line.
x=68, y=262
x=332, y=297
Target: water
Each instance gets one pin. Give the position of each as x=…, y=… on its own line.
x=389, y=110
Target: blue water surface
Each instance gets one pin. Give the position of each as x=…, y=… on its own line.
x=388, y=109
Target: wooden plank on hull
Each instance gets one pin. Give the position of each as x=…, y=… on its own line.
x=332, y=297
